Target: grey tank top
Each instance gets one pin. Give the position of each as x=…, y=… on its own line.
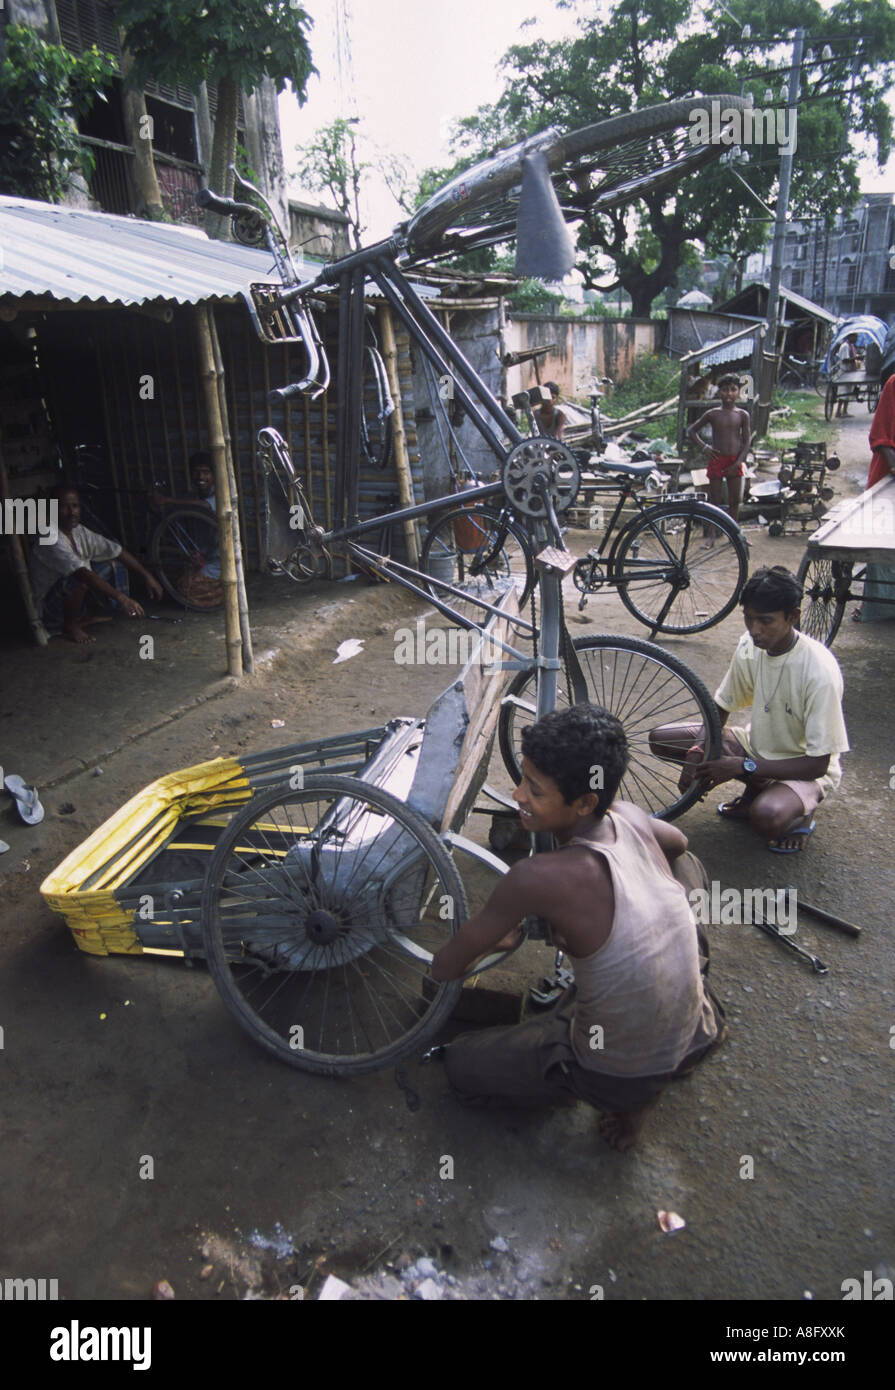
x=640, y=1005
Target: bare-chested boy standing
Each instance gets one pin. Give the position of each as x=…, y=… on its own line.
x=731, y=438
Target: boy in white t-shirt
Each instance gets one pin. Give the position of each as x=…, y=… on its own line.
x=788, y=753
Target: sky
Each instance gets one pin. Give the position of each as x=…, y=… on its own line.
x=411, y=67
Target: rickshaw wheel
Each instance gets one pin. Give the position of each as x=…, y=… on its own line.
x=826, y=587
x=321, y=911
x=830, y=401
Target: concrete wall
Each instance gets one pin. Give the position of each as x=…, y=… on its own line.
x=585, y=348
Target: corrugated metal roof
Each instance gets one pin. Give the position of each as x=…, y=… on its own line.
x=81, y=257
x=734, y=352
x=96, y=258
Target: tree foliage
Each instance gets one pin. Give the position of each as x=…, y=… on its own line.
x=339, y=161
x=647, y=51
x=193, y=41
x=233, y=43
x=44, y=89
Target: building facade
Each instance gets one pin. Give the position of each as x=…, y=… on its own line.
x=847, y=268
x=182, y=122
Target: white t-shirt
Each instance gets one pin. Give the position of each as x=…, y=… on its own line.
x=66, y=556
x=803, y=691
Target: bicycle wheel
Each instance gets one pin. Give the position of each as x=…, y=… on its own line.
x=645, y=688
x=594, y=169
x=825, y=584
x=480, y=552
x=687, y=552
x=185, y=553
x=830, y=401
x=321, y=910
x=873, y=391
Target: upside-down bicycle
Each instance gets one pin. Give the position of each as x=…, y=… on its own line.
x=327, y=894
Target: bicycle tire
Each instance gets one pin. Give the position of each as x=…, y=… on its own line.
x=185, y=540
x=479, y=204
x=473, y=542
x=279, y=941
x=622, y=673
x=714, y=576
x=873, y=394
x=825, y=584
x=830, y=400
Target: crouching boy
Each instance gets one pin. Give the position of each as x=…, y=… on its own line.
x=639, y=1014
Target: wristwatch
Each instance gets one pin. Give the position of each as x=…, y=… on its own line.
x=750, y=765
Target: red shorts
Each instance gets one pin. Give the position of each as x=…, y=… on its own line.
x=720, y=462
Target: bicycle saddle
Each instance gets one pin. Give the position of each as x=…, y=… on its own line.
x=633, y=470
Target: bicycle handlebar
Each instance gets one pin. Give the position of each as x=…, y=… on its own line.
x=226, y=207
x=285, y=393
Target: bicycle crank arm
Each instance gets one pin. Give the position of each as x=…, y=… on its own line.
x=769, y=930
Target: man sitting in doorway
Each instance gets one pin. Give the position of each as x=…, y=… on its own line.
x=615, y=895
x=82, y=574
x=551, y=420
x=787, y=756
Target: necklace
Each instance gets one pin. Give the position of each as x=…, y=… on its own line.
x=768, y=702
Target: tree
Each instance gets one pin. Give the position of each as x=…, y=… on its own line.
x=333, y=163
x=634, y=57
x=234, y=43
x=43, y=91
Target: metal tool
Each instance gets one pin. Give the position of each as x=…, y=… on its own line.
x=822, y=915
x=787, y=941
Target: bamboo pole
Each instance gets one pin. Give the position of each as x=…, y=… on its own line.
x=402, y=464
x=20, y=565
x=245, y=631
x=217, y=445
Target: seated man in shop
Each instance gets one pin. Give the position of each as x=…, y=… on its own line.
x=202, y=479
x=80, y=579
x=199, y=579
x=615, y=895
x=787, y=756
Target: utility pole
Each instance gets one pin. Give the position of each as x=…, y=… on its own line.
x=769, y=369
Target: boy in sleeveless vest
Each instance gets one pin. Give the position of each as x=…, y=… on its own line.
x=639, y=1014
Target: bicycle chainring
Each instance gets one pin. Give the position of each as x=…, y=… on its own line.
x=536, y=459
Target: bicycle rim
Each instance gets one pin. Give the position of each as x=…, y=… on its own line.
x=321, y=910
x=183, y=546
x=595, y=168
x=479, y=552
x=824, y=583
x=711, y=576
x=646, y=689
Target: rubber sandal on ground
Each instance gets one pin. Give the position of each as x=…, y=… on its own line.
x=805, y=830
x=27, y=803
x=726, y=809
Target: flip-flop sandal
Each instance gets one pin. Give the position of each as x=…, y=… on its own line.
x=27, y=803
x=726, y=808
x=805, y=830
x=3, y=847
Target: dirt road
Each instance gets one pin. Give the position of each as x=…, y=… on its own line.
x=275, y=1178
